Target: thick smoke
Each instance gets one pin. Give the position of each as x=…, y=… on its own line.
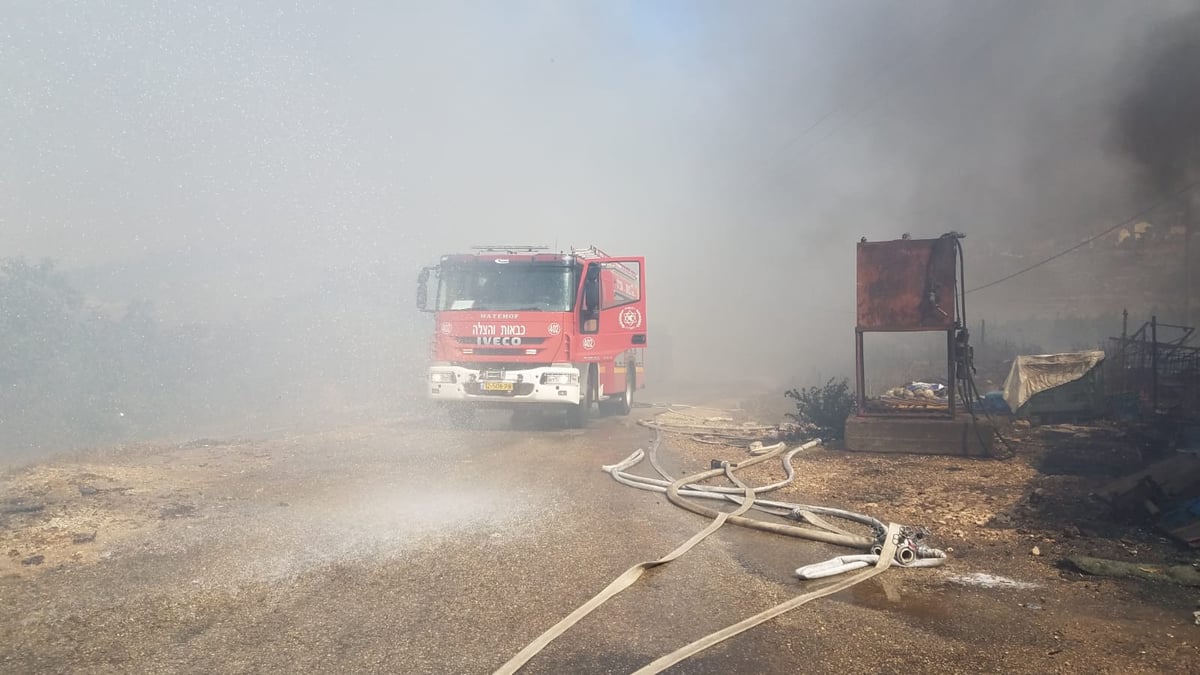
x=1158, y=121
x=274, y=179
x=993, y=119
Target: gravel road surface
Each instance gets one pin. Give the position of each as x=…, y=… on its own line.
x=403, y=546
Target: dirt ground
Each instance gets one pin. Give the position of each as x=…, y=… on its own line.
x=406, y=546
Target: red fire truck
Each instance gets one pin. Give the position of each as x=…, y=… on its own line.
x=520, y=327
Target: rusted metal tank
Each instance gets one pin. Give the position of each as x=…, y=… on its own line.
x=906, y=284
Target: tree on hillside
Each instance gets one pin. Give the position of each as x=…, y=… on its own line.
x=66, y=369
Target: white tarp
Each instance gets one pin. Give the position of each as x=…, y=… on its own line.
x=1033, y=374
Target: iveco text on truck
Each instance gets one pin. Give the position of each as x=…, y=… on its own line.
x=520, y=327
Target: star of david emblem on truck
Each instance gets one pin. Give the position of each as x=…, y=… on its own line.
x=631, y=318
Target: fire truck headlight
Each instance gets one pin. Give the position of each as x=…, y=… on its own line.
x=560, y=378
x=442, y=377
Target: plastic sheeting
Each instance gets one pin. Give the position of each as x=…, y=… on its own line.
x=1033, y=374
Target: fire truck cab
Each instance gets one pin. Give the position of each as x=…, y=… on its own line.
x=518, y=326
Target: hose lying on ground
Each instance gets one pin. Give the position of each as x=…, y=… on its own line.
x=923, y=556
x=676, y=493
x=792, y=511
x=887, y=555
x=789, y=530
x=906, y=556
x=893, y=545
x=713, y=429
x=889, y=545
x=800, y=512
x=625, y=580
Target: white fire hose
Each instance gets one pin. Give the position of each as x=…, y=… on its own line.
x=888, y=545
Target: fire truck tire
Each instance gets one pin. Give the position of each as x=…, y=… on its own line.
x=626, y=404
x=621, y=404
x=578, y=416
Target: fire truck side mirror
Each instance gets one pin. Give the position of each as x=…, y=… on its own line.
x=423, y=289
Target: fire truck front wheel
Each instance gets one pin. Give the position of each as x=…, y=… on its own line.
x=578, y=416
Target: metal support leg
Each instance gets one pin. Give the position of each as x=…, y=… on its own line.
x=860, y=390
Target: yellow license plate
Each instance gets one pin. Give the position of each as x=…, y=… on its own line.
x=497, y=386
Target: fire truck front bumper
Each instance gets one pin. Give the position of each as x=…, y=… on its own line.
x=557, y=384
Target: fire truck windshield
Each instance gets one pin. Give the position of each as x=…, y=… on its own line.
x=510, y=287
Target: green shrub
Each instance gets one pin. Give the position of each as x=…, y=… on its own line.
x=823, y=410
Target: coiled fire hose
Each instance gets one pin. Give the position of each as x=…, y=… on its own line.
x=800, y=512
x=909, y=554
x=889, y=545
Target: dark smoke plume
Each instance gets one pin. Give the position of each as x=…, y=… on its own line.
x=1158, y=121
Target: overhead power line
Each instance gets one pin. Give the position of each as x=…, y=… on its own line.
x=1128, y=221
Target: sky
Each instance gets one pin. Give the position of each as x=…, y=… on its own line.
x=215, y=156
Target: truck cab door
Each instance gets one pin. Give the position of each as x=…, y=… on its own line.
x=613, y=318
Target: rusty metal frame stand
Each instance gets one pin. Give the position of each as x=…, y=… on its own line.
x=907, y=286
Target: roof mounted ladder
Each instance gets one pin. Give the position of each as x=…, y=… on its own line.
x=589, y=253
x=510, y=249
